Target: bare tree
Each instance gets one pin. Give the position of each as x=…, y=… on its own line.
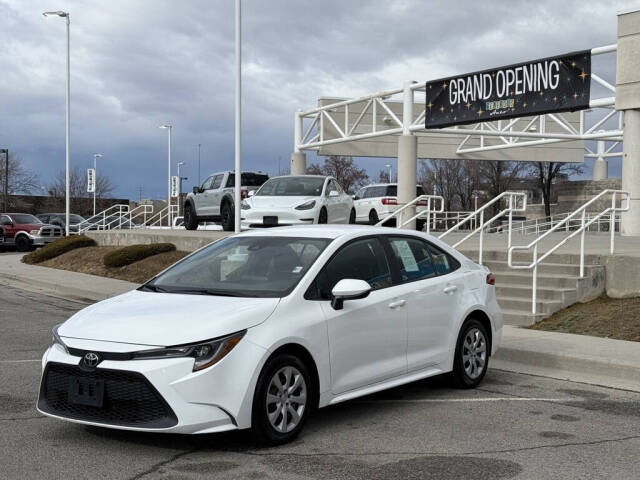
x=454, y=180
x=383, y=176
x=348, y=174
x=21, y=179
x=546, y=173
x=497, y=176
x=81, y=200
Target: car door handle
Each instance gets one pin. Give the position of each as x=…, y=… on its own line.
x=450, y=289
x=397, y=304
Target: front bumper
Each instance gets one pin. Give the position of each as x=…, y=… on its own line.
x=40, y=241
x=254, y=218
x=177, y=399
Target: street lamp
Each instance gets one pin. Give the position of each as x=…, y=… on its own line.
x=169, y=128
x=388, y=165
x=65, y=15
x=95, y=179
x=199, y=145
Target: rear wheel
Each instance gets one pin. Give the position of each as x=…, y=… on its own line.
x=226, y=218
x=190, y=218
x=322, y=217
x=472, y=355
x=282, y=399
x=352, y=216
x=373, y=217
x=23, y=244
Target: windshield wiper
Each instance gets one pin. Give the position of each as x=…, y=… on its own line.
x=153, y=288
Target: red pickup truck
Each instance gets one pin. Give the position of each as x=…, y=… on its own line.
x=25, y=231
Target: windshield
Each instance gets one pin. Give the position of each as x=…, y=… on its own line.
x=247, y=179
x=25, y=219
x=292, y=187
x=242, y=267
x=73, y=218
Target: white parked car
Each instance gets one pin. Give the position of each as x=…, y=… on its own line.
x=258, y=329
x=295, y=200
x=378, y=201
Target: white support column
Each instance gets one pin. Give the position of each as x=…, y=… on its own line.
x=407, y=160
x=631, y=172
x=600, y=166
x=298, y=157
x=628, y=100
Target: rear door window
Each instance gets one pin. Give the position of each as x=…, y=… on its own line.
x=413, y=258
x=217, y=181
x=443, y=262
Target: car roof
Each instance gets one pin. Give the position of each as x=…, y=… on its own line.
x=324, y=231
x=301, y=176
x=386, y=185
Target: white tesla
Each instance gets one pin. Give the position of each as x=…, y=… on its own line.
x=297, y=200
x=257, y=330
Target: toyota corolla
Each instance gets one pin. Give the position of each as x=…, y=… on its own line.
x=255, y=331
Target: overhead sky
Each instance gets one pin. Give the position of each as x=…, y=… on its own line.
x=137, y=64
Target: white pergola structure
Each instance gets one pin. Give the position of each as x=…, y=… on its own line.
x=392, y=122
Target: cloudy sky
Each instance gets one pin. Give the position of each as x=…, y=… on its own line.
x=137, y=64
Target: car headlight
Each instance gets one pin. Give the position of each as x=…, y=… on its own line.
x=34, y=232
x=56, y=338
x=205, y=354
x=306, y=205
x=244, y=205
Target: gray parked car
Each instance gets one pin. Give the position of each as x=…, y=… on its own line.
x=214, y=199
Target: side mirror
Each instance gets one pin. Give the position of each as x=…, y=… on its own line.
x=251, y=193
x=349, y=289
x=355, y=197
x=196, y=189
x=334, y=193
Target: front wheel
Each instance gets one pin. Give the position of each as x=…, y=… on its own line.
x=190, y=218
x=472, y=355
x=23, y=244
x=373, y=217
x=322, y=217
x=226, y=216
x=282, y=399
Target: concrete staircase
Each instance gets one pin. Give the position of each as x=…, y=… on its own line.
x=559, y=284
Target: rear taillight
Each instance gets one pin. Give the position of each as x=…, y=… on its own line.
x=389, y=201
x=491, y=280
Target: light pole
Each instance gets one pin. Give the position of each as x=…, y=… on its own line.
x=95, y=179
x=199, y=164
x=169, y=128
x=6, y=178
x=238, y=118
x=65, y=15
x=179, y=187
x=388, y=165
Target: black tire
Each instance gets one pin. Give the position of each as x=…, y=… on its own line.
x=190, y=218
x=23, y=244
x=260, y=423
x=226, y=217
x=373, y=217
x=461, y=365
x=322, y=216
x=352, y=216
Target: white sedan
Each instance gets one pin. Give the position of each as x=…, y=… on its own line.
x=297, y=200
x=256, y=330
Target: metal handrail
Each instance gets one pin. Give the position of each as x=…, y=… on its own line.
x=140, y=211
x=513, y=206
x=427, y=211
x=536, y=225
x=161, y=215
x=101, y=223
x=612, y=210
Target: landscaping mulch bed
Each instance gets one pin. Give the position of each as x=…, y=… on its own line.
x=90, y=260
x=617, y=318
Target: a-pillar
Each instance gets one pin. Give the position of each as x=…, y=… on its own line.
x=628, y=100
x=600, y=166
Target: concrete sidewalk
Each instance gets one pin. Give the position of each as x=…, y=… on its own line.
x=60, y=283
x=579, y=358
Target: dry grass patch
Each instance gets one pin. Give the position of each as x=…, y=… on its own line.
x=91, y=260
x=617, y=318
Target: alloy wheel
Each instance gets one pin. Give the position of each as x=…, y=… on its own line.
x=474, y=353
x=286, y=399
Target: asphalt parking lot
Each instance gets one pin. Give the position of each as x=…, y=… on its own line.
x=514, y=426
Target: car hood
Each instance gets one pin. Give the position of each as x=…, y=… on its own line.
x=162, y=319
x=266, y=201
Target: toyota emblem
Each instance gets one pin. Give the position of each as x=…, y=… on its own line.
x=91, y=359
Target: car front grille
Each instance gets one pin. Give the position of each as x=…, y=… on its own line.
x=50, y=232
x=129, y=399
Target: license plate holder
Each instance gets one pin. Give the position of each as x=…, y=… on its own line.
x=86, y=391
x=270, y=220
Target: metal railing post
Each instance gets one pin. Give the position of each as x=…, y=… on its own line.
x=428, y=214
x=510, y=219
x=582, y=233
x=481, y=237
x=612, y=224
x=535, y=280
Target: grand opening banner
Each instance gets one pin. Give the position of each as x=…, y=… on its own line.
x=554, y=84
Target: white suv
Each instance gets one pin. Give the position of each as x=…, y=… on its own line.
x=376, y=202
